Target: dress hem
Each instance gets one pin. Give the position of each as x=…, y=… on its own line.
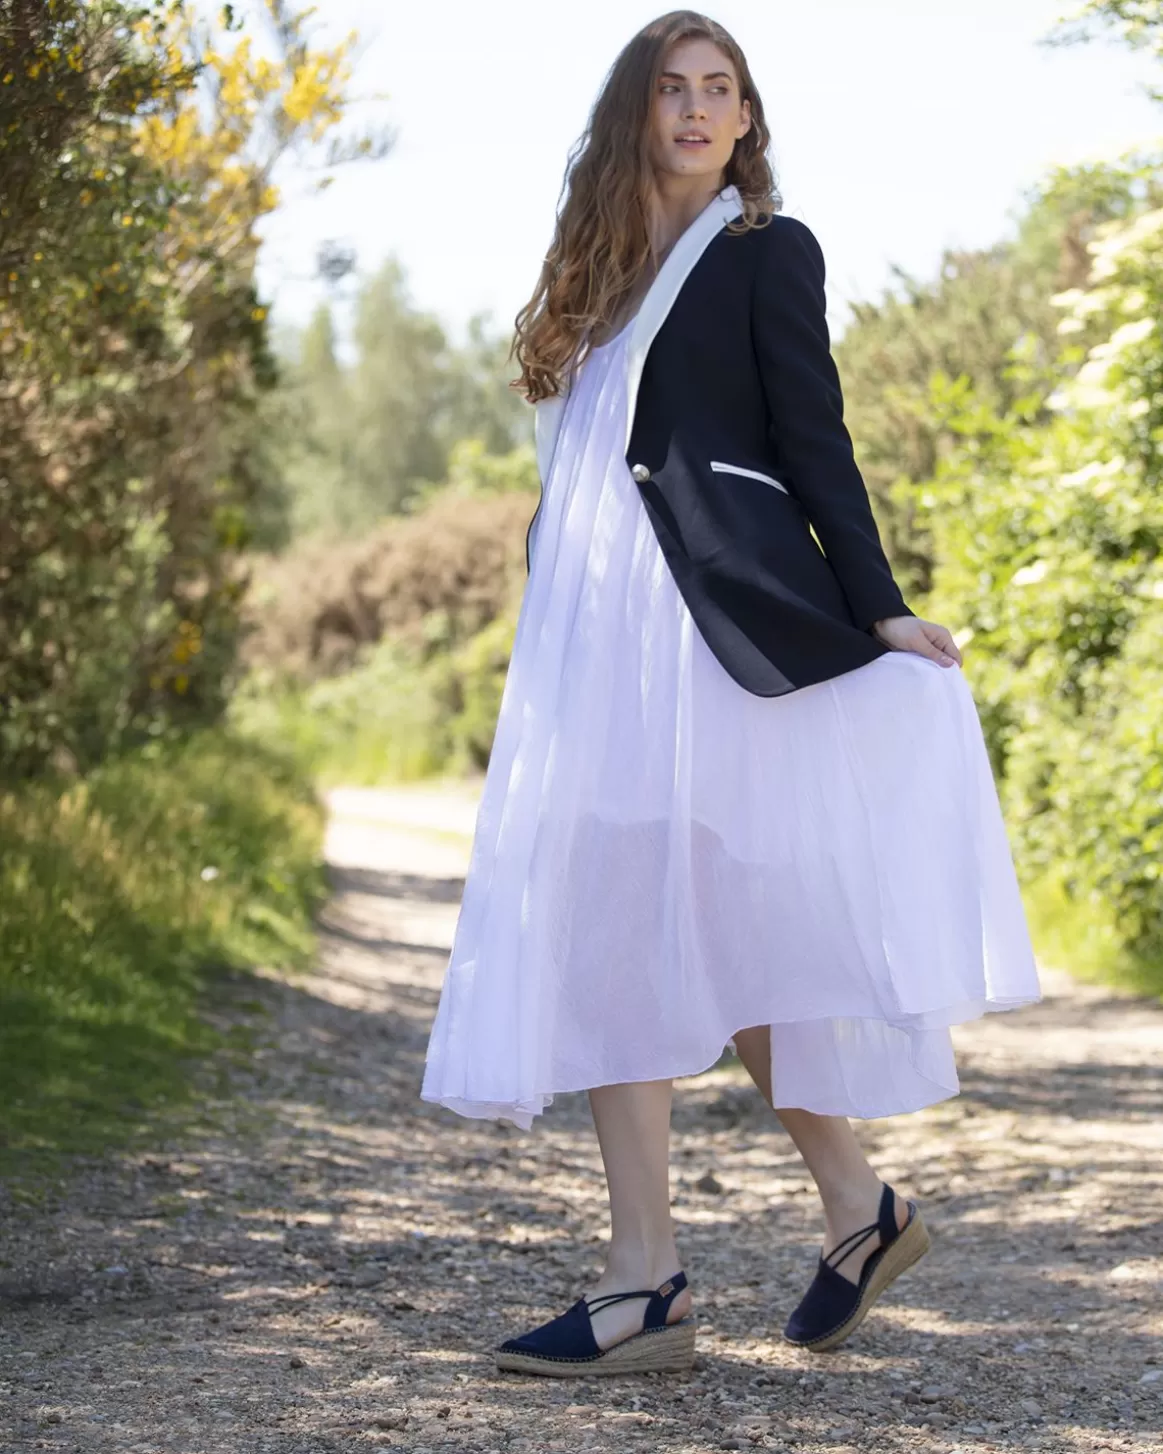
x=522, y=1114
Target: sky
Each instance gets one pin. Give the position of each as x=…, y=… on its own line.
x=900, y=127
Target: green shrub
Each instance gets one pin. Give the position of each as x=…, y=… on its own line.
x=137, y=143
x=401, y=714
x=431, y=580
x=121, y=895
x=1047, y=523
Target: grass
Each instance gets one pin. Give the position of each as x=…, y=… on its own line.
x=1083, y=938
x=401, y=715
x=379, y=723
x=123, y=896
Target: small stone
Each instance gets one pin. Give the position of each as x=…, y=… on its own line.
x=1152, y=1376
x=369, y=1275
x=709, y=1182
x=296, y=1361
x=1031, y=1407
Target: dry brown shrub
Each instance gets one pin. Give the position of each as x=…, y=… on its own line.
x=434, y=578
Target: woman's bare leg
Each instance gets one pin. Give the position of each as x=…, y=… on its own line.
x=848, y=1186
x=633, y=1125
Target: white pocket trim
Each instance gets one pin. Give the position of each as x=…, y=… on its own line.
x=737, y=469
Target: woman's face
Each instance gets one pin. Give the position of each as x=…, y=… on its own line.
x=698, y=115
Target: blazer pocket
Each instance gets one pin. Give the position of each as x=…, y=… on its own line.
x=720, y=467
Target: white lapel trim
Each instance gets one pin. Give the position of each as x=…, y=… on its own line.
x=648, y=320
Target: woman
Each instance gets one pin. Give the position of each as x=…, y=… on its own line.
x=738, y=791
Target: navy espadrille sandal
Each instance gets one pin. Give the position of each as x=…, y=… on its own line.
x=833, y=1306
x=565, y=1347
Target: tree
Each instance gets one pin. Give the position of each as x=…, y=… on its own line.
x=1048, y=528
x=1138, y=23
x=137, y=151
x=372, y=439
x=986, y=320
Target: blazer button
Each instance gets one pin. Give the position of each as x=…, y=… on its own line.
x=640, y=473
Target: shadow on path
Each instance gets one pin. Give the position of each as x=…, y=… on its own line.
x=326, y=1263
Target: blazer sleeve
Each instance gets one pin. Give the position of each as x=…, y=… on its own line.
x=802, y=387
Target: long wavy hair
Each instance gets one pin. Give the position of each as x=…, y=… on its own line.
x=601, y=240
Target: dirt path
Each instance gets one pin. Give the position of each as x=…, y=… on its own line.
x=325, y=1264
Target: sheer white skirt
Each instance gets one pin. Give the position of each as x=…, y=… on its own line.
x=662, y=858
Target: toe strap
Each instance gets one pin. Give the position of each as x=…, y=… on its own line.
x=568, y=1336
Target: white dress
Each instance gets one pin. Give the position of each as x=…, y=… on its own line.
x=662, y=858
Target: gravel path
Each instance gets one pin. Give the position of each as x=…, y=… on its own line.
x=323, y=1264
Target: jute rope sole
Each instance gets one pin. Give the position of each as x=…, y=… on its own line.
x=909, y=1247
x=661, y=1350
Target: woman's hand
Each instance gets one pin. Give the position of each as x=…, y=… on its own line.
x=926, y=638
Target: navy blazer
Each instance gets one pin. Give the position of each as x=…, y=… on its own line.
x=736, y=439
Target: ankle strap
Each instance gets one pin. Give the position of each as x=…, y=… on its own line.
x=888, y=1226
x=842, y=1249
x=656, y=1309
x=885, y=1224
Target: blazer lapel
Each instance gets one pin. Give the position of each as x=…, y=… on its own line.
x=648, y=320
x=665, y=288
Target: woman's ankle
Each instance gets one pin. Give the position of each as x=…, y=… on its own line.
x=639, y=1266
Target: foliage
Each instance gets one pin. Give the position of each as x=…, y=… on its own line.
x=1138, y=23
x=965, y=326
x=376, y=436
x=401, y=713
x=432, y=579
x=382, y=721
x=1048, y=521
x=121, y=896
x=137, y=157
x=386, y=658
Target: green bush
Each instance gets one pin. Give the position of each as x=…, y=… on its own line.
x=1047, y=522
x=137, y=143
x=401, y=714
x=121, y=895
x=432, y=580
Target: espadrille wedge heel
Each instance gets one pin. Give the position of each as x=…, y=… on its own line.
x=565, y=1347
x=833, y=1307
